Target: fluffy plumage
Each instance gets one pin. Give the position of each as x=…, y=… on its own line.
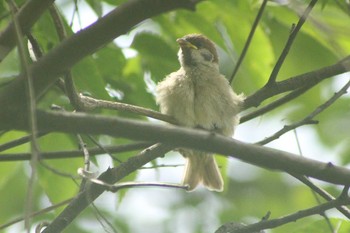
x=198, y=96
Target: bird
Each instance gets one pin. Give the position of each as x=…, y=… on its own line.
x=199, y=96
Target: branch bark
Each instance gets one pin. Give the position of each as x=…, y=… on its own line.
x=183, y=137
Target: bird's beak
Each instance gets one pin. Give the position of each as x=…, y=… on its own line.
x=185, y=44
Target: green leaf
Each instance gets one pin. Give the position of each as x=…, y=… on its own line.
x=13, y=186
x=96, y=5
x=151, y=48
x=56, y=186
x=334, y=124
x=110, y=62
x=344, y=151
x=45, y=33
x=9, y=67
x=131, y=83
x=88, y=78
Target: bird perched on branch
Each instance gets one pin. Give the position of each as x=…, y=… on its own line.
x=198, y=96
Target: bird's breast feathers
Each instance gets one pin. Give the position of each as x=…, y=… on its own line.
x=199, y=100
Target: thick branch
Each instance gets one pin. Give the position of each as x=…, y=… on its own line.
x=48, y=68
x=184, y=137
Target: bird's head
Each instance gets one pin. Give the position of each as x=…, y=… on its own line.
x=197, y=51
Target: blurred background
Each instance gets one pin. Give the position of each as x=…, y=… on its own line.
x=128, y=69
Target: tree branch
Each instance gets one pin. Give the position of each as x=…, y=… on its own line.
x=268, y=224
x=75, y=153
x=87, y=103
x=32, y=120
x=26, y=16
x=111, y=176
x=37, y=213
x=296, y=82
x=248, y=41
x=17, y=142
x=323, y=193
x=269, y=107
x=48, y=68
x=309, y=119
x=292, y=36
x=183, y=137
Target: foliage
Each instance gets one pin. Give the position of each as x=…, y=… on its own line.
x=126, y=71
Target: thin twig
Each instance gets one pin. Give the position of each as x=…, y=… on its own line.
x=248, y=41
x=60, y=29
x=314, y=193
x=299, y=81
x=286, y=129
x=116, y=187
x=37, y=213
x=82, y=44
x=32, y=115
x=17, y=142
x=273, y=223
x=77, y=153
x=91, y=103
x=106, y=150
x=308, y=119
x=315, y=189
x=323, y=193
x=163, y=166
x=86, y=155
x=102, y=219
x=292, y=36
x=84, y=103
x=70, y=88
x=285, y=99
x=111, y=176
x=28, y=14
x=57, y=172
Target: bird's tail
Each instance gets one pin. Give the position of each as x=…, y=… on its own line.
x=202, y=168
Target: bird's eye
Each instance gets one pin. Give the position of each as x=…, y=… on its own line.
x=199, y=44
x=208, y=56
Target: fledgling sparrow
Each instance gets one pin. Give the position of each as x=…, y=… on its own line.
x=198, y=96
